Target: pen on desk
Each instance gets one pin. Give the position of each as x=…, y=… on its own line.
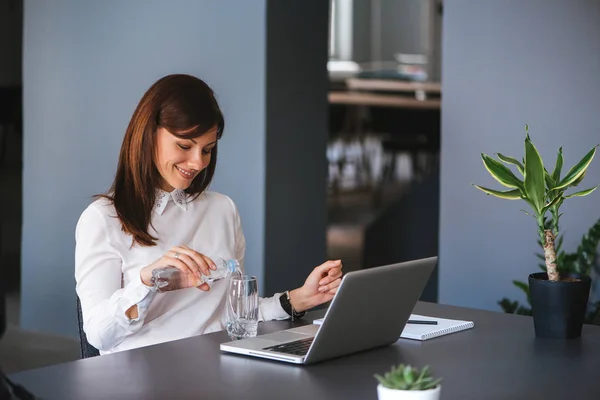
x=421, y=322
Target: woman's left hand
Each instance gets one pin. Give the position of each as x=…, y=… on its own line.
x=320, y=286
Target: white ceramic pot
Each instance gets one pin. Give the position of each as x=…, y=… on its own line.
x=384, y=393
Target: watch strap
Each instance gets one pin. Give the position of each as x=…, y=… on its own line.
x=284, y=299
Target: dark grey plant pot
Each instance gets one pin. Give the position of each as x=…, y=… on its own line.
x=558, y=307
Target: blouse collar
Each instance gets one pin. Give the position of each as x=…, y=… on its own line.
x=178, y=196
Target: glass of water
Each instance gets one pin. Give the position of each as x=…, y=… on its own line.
x=242, y=307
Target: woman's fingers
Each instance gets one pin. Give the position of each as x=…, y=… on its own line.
x=211, y=264
x=184, y=263
x=332, y=275
x=185, y=268
x=205, y=264
x=193, y=259
x=328, y=265
x=328, y=287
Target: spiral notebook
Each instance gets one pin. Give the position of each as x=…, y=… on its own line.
x=444, y=327
x=424, y=332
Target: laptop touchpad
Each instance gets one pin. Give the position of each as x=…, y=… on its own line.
x=283, y=336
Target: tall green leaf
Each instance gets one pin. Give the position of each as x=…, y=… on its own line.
x=577, y=170
x=514, y=194
x=534, y=176
x=513, y=161
x=550, y=183
x=501, y=173
x=577, y=181
x=558, y=166
x=582, y=193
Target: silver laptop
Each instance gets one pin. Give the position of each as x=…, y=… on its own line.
x=369, y=310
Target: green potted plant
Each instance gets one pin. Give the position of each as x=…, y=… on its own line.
x=405, y=382
x=558, y=300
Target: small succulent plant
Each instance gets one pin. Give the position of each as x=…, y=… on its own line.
x=407, y=377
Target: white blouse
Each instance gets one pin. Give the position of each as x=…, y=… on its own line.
x=107, y=272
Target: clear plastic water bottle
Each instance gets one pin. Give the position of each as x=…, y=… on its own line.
x=171, y=278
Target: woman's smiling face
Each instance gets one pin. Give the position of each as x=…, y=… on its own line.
x=179, y=160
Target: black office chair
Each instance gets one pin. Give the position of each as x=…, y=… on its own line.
x=10, y=390
x=87, y=350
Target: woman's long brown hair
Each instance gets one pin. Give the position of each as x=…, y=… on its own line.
x=186, y=107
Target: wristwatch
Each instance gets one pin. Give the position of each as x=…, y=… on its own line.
x=284, y=299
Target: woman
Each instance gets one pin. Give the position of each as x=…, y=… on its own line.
x=158, y=213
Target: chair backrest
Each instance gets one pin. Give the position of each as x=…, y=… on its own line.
x=87, y=350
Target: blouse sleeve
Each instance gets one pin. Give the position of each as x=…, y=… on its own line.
x=269, y=307
x=99, y=278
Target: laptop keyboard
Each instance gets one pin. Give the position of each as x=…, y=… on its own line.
x=297, y=347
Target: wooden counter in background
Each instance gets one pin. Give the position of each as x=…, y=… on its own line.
x=382, y=100
x=411, y=95
x=389, y=85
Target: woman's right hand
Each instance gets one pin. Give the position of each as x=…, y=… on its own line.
x=186, y=260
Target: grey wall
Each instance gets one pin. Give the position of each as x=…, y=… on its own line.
x=506, y=64
x=297, y=122
x=86, y=64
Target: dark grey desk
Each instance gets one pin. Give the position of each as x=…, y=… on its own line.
x=498, y=359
